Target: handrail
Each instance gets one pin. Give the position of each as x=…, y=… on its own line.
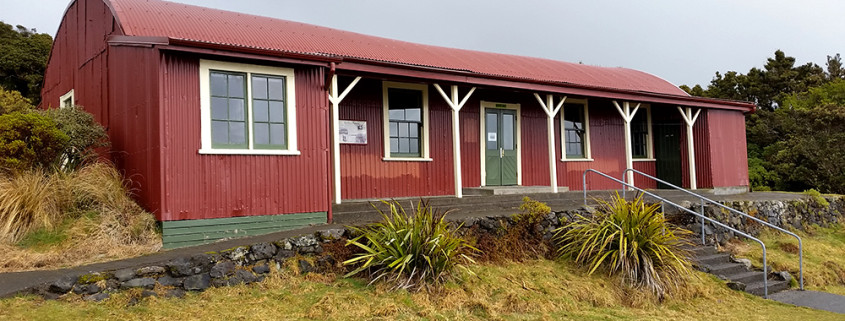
x=702, y=198
x=624, y=184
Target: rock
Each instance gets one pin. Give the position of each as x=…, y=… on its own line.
x=237, y=254
x=180, y=267
x=262, y=251
x=147, y=283
x=202, y=263
x=305, y=241
x=87, y=288
x=124, y=275
x=63, y=285
x=245, y=275
x=782, y=275
x=738, y=286
x=283, y=255
x=220, y=282
x=150, y=270
x=112, y=284
x=222, y=269
x=261, y=268
x=148, y=293
x=197, y=282
x=50, y=296
x=331, y=234
x=96, y=297
x=169, y=281
x=305, y=267
x=326, y=262
x=175, y=293
x=745, y=262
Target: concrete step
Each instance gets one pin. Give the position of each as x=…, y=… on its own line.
x=713, y=259
x=725, y=269
x=775, y=286
x=511, y=190
x=746, y=277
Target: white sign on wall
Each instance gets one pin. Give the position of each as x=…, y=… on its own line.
x=353, y=132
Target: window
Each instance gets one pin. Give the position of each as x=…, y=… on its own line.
x=576, y=137
x=66, y=100
x=247, y=109
x=641, y=134
x=406, y=116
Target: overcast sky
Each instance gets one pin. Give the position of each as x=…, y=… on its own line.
x=684, y=42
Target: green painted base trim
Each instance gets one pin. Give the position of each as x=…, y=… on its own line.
x=194, y=232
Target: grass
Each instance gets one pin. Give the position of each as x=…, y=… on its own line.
x=824, y=255
x=533, y=290
x=50, y=220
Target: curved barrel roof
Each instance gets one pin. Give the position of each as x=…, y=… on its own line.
x=153, y=18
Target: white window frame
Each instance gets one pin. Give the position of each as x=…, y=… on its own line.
x=205, y=106
x=650, y=141
x=424, y=152
x=67, y=97
x=588, y=156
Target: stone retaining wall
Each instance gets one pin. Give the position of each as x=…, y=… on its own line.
x=248, y=264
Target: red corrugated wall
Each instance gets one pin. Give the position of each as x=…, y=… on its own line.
x=214, y=186
x=729, y=156
x=364, y=173
x=702, y=152
x=135, y=121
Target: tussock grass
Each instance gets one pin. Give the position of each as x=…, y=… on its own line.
x=57, y=219
x=824, y=255
x=533, y=290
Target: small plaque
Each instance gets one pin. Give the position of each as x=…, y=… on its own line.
x=491, y=137
x=353, y=132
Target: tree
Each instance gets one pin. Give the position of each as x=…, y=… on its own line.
x=834, y=68
x=12, y=101
x=23, y=59
x=29, y=140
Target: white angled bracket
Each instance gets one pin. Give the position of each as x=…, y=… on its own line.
x=690, y=119
x=628, y=115
x=335, y=99
x=456, y=106
x=551, y=110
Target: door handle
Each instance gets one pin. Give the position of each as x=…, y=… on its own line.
x=501, y=152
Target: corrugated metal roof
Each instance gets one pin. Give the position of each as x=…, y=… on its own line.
x=153, y=18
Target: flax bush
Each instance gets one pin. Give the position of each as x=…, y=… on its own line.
x=630, y=239
x=410, y=251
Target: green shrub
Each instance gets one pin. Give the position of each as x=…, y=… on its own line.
x=631, y=239
x=84, y=135
x=817, y=197
x=12, y=101
x=411, y=251
x=29, y=140
x=532, y=211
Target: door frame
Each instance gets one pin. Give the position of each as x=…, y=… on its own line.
x=482, y=143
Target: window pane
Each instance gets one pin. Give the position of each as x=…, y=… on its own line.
x=236, y=86
x=218, y=84
x=236, y=109
x=219, y=108
x=394, y=145
x=404, y=146
x=277, y=112
x=236, y=133
x=403, y=130
x=404, y=98
x=262, y=133
x=397, y=114
x=276, y=88
x=492, y=127
x=259, y=88
x=277, y=134
x=260, y=113
x=394, y=129
x=415, y=131
x=413, y=114
x=220, y=132
x=415, y=146
x=507, y=131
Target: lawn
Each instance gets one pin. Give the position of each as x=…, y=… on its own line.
x=533, y=290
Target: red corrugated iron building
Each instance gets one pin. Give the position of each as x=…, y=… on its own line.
x=223, y=120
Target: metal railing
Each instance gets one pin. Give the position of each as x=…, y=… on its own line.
x=732, y=210
x=666, y=201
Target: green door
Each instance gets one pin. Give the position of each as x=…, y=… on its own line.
x=667, y=152
x=501, y=147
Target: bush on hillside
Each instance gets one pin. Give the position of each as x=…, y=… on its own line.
x=29, y=140
x=84, y=135
x=410, y=251
x=12, y=101
x=631, y=239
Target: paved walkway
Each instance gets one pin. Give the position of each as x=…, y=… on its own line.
x=812, y=299
x=14, y=282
